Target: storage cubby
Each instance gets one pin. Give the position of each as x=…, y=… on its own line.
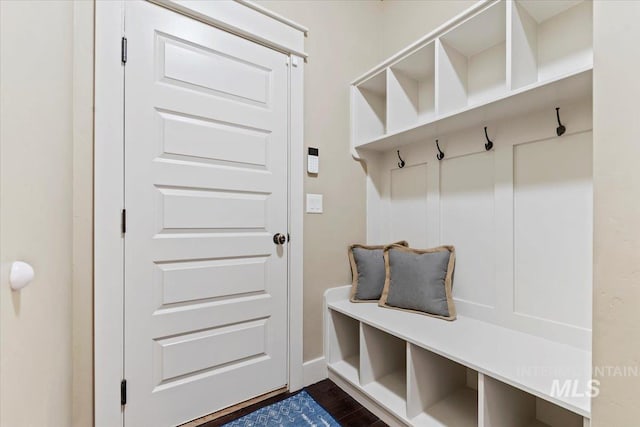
x=549, y=39
x=344, y=350
x=471, y=61
x=506, y=406
x=383, y=368
x=441, y=391
x=411, y=89
x=370, y=105
x=422, y=371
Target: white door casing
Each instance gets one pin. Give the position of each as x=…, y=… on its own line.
x=205, y=189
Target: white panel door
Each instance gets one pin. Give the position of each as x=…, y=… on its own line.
x=206, y=189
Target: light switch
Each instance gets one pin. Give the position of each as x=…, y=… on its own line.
x=314, y=203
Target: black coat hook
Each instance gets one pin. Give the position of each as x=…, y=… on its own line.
x=560, y=129
x=401, y=163
x=489, y=145
x=440, y=154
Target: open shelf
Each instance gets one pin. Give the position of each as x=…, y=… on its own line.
x=535, y=97
x=441, y=392
x=383, y=368
x=507, y=406
x=483, y=347
x=542, y=47
x=411, y=89
x=344, y=340
x=370, y=105
x=472, y=61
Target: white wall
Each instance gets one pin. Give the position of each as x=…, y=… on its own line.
x=36, y=162
x=616, y=290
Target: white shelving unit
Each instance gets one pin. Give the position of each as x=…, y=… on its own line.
x=515, y=357
x=506, y=58
x=420, y=371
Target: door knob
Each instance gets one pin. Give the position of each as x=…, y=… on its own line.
x=279, y=239
x=21, y=275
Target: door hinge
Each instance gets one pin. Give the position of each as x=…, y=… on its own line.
x=124, y=221
x=123, y=392
x=123, y=51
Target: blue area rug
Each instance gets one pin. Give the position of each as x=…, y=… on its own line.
x=299, y=410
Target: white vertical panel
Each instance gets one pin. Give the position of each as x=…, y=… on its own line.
x=503, y=194
x=467, y=222
x=409, y=205
x=377, y=200
x=553, y=221
x=433, y=204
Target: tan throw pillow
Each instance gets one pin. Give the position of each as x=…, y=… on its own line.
x=367, y=271
x=420, y=280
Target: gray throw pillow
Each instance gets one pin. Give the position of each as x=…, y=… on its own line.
x=368, y=271
x=420, y=280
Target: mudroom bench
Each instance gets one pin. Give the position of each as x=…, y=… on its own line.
x=411, y=369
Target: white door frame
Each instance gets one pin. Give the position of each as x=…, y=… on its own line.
x=242, y=18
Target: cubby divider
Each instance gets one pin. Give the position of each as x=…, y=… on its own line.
x=383, y=368
x=507, y=406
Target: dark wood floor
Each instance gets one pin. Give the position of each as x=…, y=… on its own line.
x=339, y=404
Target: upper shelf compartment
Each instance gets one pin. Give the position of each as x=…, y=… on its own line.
x=472, y=60
x=411, y=89
x=369, y=106
x=549, y=39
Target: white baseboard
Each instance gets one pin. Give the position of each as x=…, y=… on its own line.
x=314, y=370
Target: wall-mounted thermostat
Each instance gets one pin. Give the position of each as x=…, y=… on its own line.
x=313, y=160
